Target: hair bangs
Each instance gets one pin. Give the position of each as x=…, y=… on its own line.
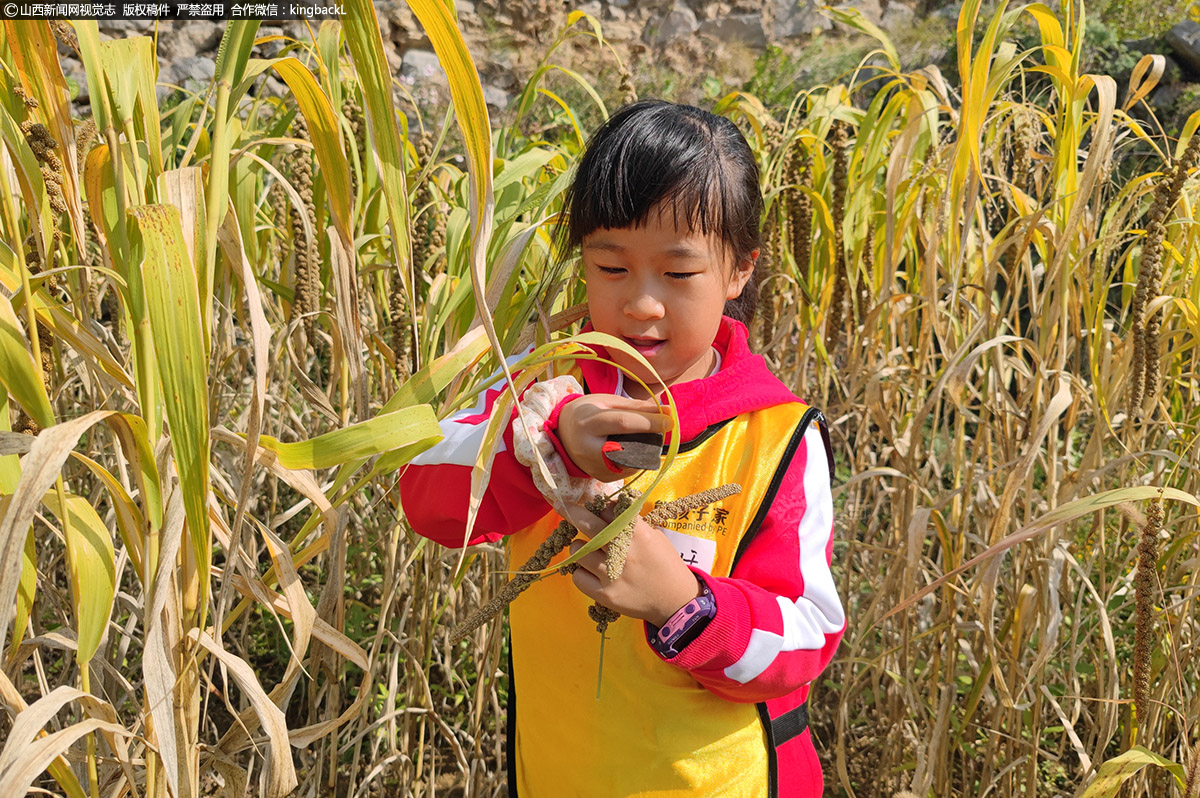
x=659, y=157
x=648, y=158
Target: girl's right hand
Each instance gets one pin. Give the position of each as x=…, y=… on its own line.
x=584, y=425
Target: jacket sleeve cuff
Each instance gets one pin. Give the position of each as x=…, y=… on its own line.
x=726, y=636
x=551, y=430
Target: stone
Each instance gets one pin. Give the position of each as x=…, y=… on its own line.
x=465, y=8
x=73, y=71
x=896, y=16
x=193, y=38
x=121, y=28
x=744, y=29
x=680, y=21
x=1164, y=98
x=593, y=7
x=190, y=73
x=497, y=99
x=1172, y=72
x=798, y=18
x=398, y=25
x=420, y=70
x=1184, y=39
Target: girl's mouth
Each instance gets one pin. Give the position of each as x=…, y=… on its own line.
x=646, y=346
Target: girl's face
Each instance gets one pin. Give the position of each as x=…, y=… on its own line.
x=661, y=288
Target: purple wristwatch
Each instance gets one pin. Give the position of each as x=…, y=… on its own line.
x=685, y=625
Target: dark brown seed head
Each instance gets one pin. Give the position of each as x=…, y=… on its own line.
x=1145, y=589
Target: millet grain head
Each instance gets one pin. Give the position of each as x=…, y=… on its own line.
x=1144, y=586
x=358, y=131
x=603, y=616
x=618, y=547
x=31, y=103
x=1187, y=162
x=773, y=235
x=839, y=144
x=561, y=538
x=677, y=508
x=65, y=34
x=1191, y=785
x=799, y=207
x=558, y=540
x=307, y=268
x=1145, y=327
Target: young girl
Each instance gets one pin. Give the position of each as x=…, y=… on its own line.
x=727, y=615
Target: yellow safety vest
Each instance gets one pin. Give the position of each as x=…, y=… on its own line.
x=653, y=730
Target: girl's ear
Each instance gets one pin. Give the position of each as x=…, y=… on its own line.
x=742, y=270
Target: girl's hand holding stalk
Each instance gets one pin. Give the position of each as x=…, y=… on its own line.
x=655, y=582
x=584, y=425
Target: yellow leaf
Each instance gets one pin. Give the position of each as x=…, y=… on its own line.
x=1116, y=771
x=1059, y=515
x=35, y=52
x=322, y=128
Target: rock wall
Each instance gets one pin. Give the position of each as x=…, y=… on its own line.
x=508, y=36
x=688, y=38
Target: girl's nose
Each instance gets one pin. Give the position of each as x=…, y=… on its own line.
x=644, y=306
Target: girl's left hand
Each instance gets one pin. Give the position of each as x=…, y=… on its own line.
x=655, y=582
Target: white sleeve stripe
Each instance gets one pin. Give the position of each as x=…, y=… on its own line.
x=816, y=526
x=818, y=612
x=461, y=443
x=760, y=652
x=802, y=627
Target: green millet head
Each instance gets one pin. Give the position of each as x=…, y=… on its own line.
x=618, y=547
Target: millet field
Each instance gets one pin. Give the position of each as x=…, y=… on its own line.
x=229, y=317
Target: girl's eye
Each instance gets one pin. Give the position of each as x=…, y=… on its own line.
x=681, y=275
x=610, y=270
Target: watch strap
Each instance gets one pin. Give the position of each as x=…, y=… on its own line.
x=685, y=625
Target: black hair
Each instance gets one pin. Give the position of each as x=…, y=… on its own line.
x=655, y=153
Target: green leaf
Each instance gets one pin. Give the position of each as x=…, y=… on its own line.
x=854, y=18
x=412, y=425
x=22, y=377
x=10, y=464
x=27, y=586
x=92, y=564
x=366, y=48
x=1116, y=771
x=173, y=305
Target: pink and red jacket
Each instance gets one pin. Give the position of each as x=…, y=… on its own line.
x=779, y=618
